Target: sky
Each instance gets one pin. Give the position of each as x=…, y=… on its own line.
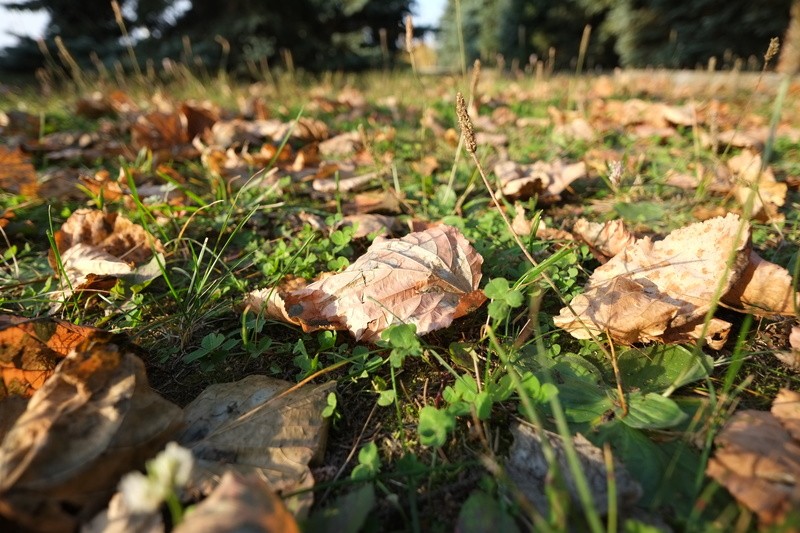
x=32, y=24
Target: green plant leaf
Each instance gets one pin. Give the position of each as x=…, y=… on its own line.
x=483, y=405
x=650, y=411
x=483, y=514
x=347, y=514
x=330, y=408
x=434, y=424
x=386, y=397
x=659, y=367
x=369, y=464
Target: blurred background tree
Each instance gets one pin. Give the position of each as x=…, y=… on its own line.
x=630, y=33
x=319, y=34
x=249, y=35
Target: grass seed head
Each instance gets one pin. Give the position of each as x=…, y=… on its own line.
x=465, y=124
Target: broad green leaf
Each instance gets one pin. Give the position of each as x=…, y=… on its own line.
x=584, y=401
x=640, y=211
x=347, y=514
x=483, y=514
x=497, y=289
x=650, y=411
x=658, y=368
x=434, y=424
x=483, y=405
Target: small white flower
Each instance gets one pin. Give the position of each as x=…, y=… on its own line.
x=140, y=494
x=172, y=467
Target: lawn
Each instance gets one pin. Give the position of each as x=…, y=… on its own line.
x=566, y=304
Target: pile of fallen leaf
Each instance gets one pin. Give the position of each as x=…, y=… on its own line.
x=78, y=414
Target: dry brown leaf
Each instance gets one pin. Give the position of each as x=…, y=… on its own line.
x=770, y=194
x=240, y=503
x=117, y=518
x=17, y=174
x=548, y=180
x=528, y=467
x=31, y=349
x=653, y=291
x=605, y=240
x=367, y=224
x=342, y=144
x=95, y=419
x=427, y=278
x=259, y=423
x=345, y=184
x=758, y=458
x=763, y=289
x=371, y=202
x=110, y=232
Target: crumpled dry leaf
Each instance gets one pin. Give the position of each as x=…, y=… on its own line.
x=548, y=180
x=530, y=470
x=95, y=419
x=427, y=278
x=259, y=423
x=97, y=248
x=763, y=289
x=17, y=174
x=770, y=194
x=31, y=349
x=110, y=232
x=240, y=503
x=670, y=285
x=758, y=458
x=342, y=144
x=367, y=224
x=605, y=240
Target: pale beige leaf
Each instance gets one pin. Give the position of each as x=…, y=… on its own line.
x=548, y=180
x=344, y=184
x=110, y=232
x=269, y=302
x=94, y=420
x=240, y=503
x=670, y=283
x=751, y=179
x=342, y=144
x=117, y=518
x=620, y=307
x=258, y=423
x=427, y=278
x=763, y=289
x=84, y=259
x=606, y=240
x=528, y=467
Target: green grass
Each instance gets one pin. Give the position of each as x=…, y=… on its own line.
x=427, y=417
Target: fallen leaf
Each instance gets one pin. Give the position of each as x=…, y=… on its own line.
x=31, y=349
x=95, y=419
x=345, y=184
x=605, y=240
x=651, y=291
x=368, y=224
x=240, y=503
x=763, y=289
x=117, y=518
x=758, y=458
x=791, y=358
x=548, y=180
x=17, y=174
x=530, y=470
x=752, y=179
x=427, y=278
x=342, y=144
x=259, y=423
x=110, y=232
